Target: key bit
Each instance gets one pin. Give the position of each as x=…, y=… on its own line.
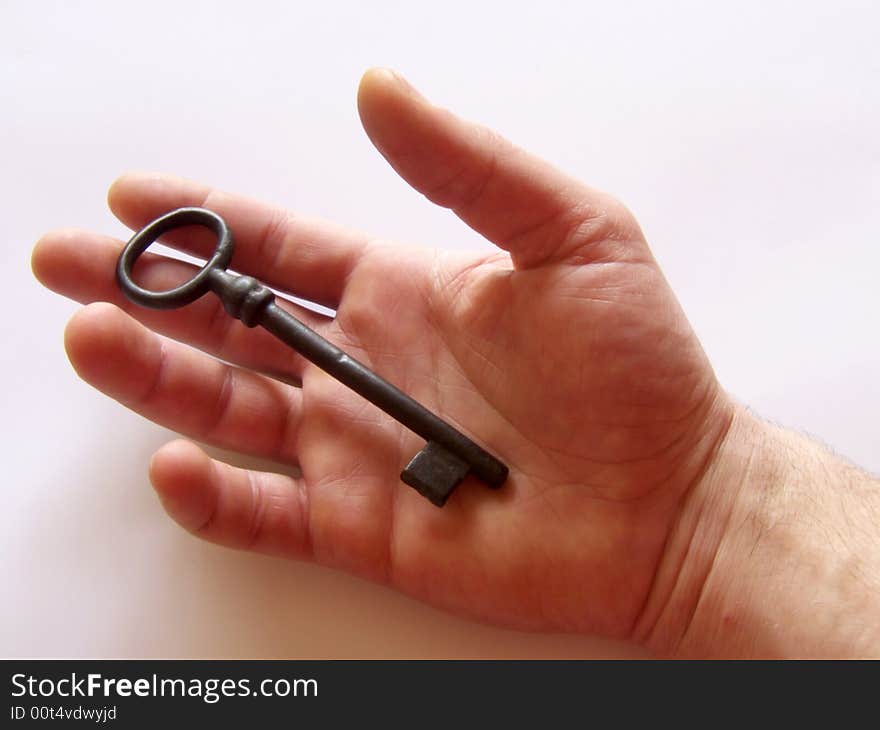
x=434, y=471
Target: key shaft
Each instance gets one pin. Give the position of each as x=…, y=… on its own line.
x=253, y=303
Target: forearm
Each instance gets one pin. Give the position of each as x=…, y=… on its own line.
x=776, y=554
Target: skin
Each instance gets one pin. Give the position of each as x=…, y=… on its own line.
x=635, y=480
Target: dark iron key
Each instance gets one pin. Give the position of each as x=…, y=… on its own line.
x=434, y=471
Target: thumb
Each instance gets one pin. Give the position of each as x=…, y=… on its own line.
x=517, y=201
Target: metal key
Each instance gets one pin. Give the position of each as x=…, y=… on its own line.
x=434, y=471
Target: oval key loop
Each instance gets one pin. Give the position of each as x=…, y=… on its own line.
x=190, y=290
x=434, y=471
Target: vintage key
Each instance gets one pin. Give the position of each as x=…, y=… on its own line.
x=434, y=471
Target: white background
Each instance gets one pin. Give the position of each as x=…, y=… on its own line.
x=743, y=135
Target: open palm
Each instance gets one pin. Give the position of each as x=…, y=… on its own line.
x=565, y=354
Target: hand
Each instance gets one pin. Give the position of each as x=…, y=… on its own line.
x=565, y=354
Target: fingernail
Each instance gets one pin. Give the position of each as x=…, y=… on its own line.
x=404, y=83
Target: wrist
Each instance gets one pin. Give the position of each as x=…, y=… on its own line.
x=774, y=553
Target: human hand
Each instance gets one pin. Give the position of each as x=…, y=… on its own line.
x=565, y=354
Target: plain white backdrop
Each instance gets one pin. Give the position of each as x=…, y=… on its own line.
x=743, y=135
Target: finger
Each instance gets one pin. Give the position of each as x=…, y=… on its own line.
x=236, y=507
x=181, y=388
x=82, y=266
x=309, y=258
x=518, y=201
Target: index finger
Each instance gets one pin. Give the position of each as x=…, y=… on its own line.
x=307, y=257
